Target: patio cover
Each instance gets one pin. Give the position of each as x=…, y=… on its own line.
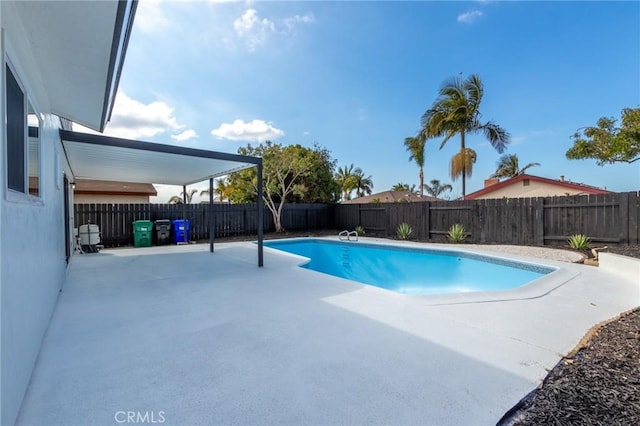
x=101, y=157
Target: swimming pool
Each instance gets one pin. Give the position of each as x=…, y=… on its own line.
x=412, y=270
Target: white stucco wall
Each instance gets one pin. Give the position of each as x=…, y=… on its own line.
x=32, y=243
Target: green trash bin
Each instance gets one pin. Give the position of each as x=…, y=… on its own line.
x=142, y=233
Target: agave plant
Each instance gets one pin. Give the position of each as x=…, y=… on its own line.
x=404, y=231
x=579, y=242
x=456, y=233
x=360, y=230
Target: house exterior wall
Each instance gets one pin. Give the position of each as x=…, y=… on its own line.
x=534, y=189
x=110, y=199
x=32, y=234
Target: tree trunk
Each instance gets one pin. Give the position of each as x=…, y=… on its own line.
x=277, y=218
x=464, y=165
x=421, y=182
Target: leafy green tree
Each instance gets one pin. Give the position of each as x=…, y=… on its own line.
x=287, y=177
x=508, y=167
x=457, y=111
x=434, y=188
x=321, y=187
x=177, y=199
x=363, y=184
x=400, y=186
x=608, y=144
x=415, y=145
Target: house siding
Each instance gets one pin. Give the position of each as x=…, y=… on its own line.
x=534, y=189
x=32, y=239
x=110, y=199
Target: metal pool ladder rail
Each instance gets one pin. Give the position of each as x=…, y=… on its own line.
x=346, y=235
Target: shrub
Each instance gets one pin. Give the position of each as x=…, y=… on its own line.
x=456, y=233
x=404, y=231
x=360, y=230
x=579, y=242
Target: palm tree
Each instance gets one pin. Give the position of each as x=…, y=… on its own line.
x=177, y=199
x=435, y=188
x=462, y=164
x=362, y=184
x=456, y=111
x=508, y=167
x=223, y=190
x=415, y=146
x=400, y=186
x=346, y=181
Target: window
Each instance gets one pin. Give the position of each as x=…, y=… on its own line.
x=15, y=134
x=23, y=139
x=525, y=182
x=33, y=164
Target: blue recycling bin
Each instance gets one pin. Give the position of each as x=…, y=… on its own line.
x=180, y=231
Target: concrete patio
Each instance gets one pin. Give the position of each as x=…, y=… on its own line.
x=191, y=337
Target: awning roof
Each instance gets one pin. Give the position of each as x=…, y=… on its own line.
x=79, y=49
x=113, y=159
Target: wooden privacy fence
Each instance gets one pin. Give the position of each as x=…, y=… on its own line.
x=608, y=218
x=116, y=229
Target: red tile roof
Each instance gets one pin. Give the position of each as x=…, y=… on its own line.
x=585, y=189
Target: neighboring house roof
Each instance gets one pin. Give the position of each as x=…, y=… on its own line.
x=561, y=183
x=391, y=197
x=86, y=186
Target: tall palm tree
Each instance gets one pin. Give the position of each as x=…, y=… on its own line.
x=177, y=199
x=415, y=146
x=346, y=181
x=363, y=184
x=508, y=167
x=434, y=188
x=455, y=111
x=223, y=189
x=462, y=163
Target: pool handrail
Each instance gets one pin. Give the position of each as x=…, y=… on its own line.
x=346, y=235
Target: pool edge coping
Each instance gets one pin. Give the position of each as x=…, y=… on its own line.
x=534, y=289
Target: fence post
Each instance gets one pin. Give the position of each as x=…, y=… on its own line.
x=624, y=217
x=539, y=215
x=427, y=219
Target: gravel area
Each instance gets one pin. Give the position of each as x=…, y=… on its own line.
x=539, y=252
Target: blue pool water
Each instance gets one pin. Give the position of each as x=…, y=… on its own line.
x=411, y=270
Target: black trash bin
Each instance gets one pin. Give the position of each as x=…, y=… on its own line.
x=163, y=231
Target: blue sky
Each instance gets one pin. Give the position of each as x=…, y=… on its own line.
x=355, y=77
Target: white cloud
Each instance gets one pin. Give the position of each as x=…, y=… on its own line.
x=470, y=17
x=150, y=17
x=253, y=131
x=132, y=119
x=186, y=135
x=255, y=31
